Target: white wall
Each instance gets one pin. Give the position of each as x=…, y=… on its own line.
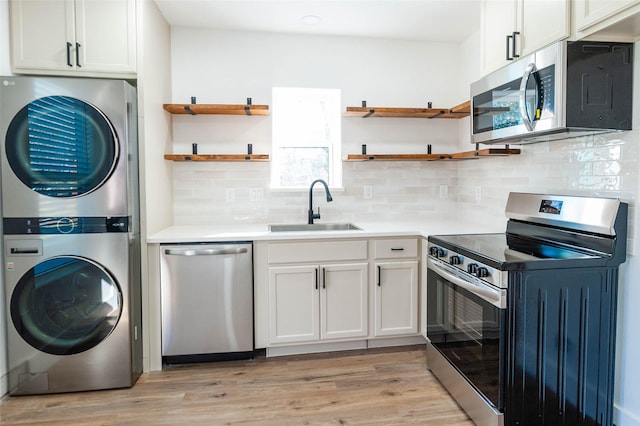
x=156, y=174
x=5, y=69
x=228, y=67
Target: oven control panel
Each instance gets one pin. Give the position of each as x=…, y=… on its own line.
x=466, y=265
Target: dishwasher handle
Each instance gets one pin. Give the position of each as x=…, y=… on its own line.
x=204, y=252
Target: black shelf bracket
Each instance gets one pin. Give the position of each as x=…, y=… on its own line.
x=370, y=113
x=438, y=114
x=189, y=110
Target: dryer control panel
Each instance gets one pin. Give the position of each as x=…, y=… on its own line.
x=65, y=225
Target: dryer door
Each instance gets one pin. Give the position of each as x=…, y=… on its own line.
x=66, y=305
x=60, y=146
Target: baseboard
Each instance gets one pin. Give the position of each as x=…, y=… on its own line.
x=4, y=385
x=396, y=341
x=622, y=417
x=315, y=348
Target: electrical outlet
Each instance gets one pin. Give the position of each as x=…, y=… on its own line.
x=444, y=191
x=368, y=192
x=256, y=194
x=230, y=195
x=478, y=194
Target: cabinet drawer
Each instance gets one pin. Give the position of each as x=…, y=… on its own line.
x=317, y=251
x=395, y=248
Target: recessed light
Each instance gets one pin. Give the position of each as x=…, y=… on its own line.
x=311, y=20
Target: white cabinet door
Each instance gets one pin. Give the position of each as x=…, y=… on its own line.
x=529, y=25
x=293, y=304
x=43, y=34
x=543, y=22
x=105, y=35
x=396, y=298
x=343, y=301
x=590, y=12
x=69, y=37
x=498, y=19
x=310, y=303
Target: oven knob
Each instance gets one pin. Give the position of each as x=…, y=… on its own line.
x=436, y=251
x=473, y=268
x=454, y=260
x=482, y=272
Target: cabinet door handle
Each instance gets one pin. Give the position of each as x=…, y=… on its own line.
x=513, y=44
x=509, y=57
x=324, y=277
x=69, y=54
x=379, y=276
x=78, y=55
x=317, y=278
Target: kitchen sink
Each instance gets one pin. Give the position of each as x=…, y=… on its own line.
x=303, y=227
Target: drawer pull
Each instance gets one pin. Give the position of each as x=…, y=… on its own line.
x=397, y=249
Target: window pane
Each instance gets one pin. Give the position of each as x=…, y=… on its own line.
x=306, y=137
x=302, y=165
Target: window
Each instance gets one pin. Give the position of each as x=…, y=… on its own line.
x=306, y=137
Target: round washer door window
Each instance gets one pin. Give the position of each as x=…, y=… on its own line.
x=60, y=146
x=66, y=305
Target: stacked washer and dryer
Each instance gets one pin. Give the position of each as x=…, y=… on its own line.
x=71, y=233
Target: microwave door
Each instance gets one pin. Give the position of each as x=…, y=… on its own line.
x=496, y=112
x=531, y=97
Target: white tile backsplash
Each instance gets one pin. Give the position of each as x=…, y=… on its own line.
x=605, y=165
x=601, y=165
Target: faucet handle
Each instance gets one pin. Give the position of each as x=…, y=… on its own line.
x=313, y=215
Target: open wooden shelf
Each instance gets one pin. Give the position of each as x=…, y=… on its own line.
x=227, y=109
x=489, y=152
x=217, y=157
x=468, y=155
x=397, y=157
x=458, y=111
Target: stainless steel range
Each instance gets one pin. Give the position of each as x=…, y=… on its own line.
x=521, y=325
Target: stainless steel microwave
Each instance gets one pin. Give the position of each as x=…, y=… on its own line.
x=565, y=90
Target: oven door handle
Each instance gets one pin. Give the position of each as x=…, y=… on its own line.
x=494, y=296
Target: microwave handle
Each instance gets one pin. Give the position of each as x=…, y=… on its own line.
x=528, y=73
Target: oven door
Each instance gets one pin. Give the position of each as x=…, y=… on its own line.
x=466, y=324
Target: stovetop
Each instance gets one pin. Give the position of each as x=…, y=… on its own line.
x=507, y=252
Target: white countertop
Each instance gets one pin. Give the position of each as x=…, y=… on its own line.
x=257, y=232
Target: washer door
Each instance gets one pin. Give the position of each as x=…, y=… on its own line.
x=61, y=146
x=66, y=305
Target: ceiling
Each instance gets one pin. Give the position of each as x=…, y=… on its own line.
x=424, y=20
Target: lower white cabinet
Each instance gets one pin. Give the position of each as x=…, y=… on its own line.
x=310, y=303
x=319, y=294
x=396, y=298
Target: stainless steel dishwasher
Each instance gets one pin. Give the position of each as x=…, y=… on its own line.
x=207, y=301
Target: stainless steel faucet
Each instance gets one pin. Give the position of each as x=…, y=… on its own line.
x=313, y=215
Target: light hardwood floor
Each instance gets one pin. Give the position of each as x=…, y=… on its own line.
x=373, y=387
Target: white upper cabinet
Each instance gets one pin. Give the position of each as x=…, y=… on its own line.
x=607, y=19
x=514, y=28
x=498, y=21
x=71, y=37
